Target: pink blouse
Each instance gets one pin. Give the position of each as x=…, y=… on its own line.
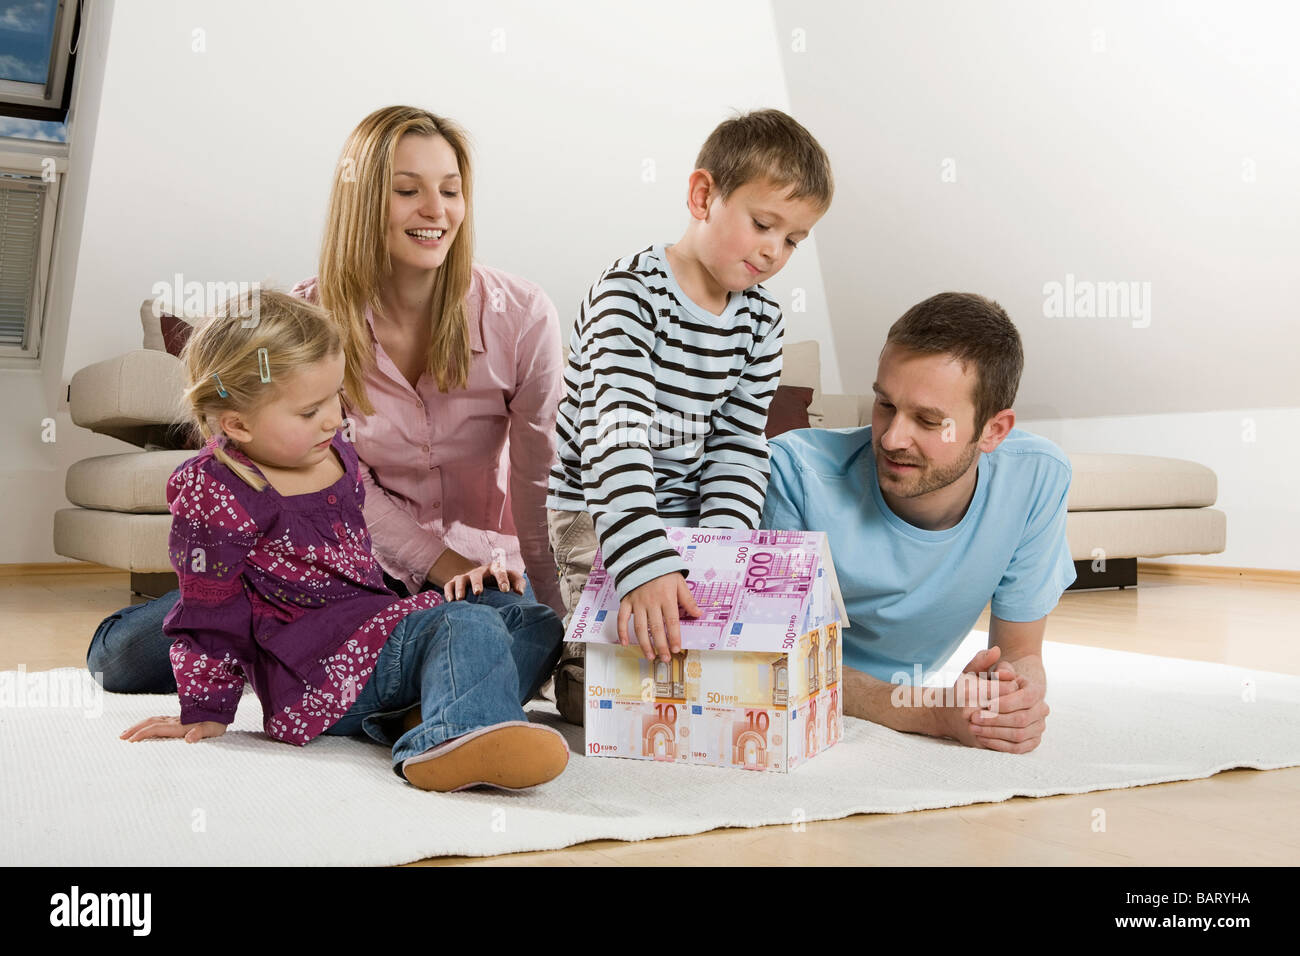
x=468, y=469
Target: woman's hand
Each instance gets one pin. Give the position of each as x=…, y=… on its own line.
x=172, y=727
x=496, y=572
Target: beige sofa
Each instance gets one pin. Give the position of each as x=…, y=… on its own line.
x=1128, y=506
x=120, y=518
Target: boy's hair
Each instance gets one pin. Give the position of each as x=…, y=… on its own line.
x=294, y=333
x=972, y=329
x=768, y=145
x=355, y=259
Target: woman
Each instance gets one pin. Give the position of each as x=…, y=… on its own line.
x=452, y=382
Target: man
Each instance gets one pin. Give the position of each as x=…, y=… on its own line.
x=936, y=508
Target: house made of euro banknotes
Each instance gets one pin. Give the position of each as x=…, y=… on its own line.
x=756, y=685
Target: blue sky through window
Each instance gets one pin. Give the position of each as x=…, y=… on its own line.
x=26, y=32
x=46, y=131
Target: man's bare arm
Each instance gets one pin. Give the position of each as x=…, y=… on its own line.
x=1022, y=646
x=936, y=711
x=877, y=701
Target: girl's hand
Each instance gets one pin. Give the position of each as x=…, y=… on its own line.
x=505, y=580
x=172, y=727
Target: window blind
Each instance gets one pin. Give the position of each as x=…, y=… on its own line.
x=21, y=203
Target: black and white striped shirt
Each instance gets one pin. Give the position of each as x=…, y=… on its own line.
x=663, y=413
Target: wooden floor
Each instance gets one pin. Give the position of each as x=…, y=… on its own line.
x=1240, y=817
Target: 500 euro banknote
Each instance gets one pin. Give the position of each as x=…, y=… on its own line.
x=756, y=590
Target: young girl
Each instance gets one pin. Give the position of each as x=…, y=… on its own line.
x=278, y=585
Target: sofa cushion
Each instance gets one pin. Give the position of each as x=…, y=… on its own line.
x=176, y=332
x=135, y=483
x=1151, y=533
x=789, y=409
x=165, y=331
x=1132, y=482
x=135, y=397
x=113, y=539
x=152, y=325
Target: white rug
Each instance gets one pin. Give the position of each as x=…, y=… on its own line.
x=71, y=793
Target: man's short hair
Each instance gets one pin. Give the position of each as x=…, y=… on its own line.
x=973, y=330
x=768, y=145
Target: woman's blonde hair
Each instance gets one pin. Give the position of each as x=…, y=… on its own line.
x=355, y=260
x=226, y=370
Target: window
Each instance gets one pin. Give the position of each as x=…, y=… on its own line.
x=37, y=43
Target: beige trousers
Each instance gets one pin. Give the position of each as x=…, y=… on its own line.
x=573, y=543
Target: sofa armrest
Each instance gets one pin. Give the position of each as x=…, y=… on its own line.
x=135, y=397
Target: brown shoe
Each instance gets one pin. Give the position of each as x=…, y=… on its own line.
x=513, y=755
x=569, y=688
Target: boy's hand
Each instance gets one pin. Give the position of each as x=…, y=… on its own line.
x=505, y=579
x=172, y=727
x=655, y=608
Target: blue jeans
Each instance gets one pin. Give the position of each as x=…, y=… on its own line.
x=129, y=652
x=457, y=663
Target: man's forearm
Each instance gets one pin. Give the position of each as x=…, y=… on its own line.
x=897, y=706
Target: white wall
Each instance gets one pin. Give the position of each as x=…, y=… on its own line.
x=1155, y=142
x=217, y=164
x=1169, y=156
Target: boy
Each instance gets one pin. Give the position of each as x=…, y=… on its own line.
x=673, y=361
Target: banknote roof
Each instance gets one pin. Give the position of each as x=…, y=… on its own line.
x=756, y=590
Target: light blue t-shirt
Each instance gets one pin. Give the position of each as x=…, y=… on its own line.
x=912, y=594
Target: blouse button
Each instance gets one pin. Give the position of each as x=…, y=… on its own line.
x=332, y=500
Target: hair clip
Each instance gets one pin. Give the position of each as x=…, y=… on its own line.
x=221, y=389
x=263, y=365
